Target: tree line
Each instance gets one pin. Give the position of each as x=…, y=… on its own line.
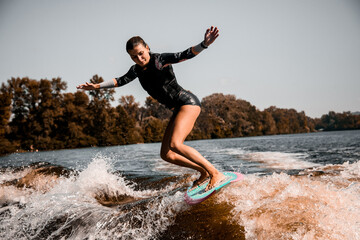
x=40, y=115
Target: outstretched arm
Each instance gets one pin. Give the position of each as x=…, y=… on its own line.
x=115, y=82
x=93, y=86
x=169, y=58
x=210, y=36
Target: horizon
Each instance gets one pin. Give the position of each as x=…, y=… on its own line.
x=115, y=102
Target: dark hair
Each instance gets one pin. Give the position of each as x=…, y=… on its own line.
x=134, y=41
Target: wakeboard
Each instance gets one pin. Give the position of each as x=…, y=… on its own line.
x=196, y=195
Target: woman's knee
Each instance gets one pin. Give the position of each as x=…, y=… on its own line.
x=175, y=146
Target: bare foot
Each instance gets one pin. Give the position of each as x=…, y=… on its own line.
x=203, y=177
x=214, y=180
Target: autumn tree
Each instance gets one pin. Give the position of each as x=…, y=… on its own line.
x=130, y=106
x=338, y=121
x=128, y=128
x=226, y=116
x=19, y=109
x=153, y=129
x=268, y=124
x=155, y=109
x=290, y=121
x=38, y=115
x=154, y=119
x=49, y=114
x=24, y=107
x=75, y=119
x=101, y=114
x=5, y=112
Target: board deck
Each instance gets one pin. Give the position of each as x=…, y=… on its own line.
x=198, y=194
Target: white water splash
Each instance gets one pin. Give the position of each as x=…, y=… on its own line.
x=298, y=207
x=70, y=209
x=280, y=160
x=163, y=166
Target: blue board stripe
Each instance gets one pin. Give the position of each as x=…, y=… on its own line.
x=199, y=194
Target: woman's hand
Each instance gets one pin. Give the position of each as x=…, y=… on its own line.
x=88, y=86
x=210, y=35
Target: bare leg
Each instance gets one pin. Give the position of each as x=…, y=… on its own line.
x=174, y=158
x=181, y=126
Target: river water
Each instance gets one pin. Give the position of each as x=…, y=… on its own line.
x=302, y=186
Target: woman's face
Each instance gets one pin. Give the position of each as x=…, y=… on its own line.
x=140, y=55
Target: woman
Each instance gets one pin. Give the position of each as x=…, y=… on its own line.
x=156, y=76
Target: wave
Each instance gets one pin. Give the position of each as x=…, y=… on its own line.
x=75, y=207
x=280, y=160
x=44, y=201
x=307, y=206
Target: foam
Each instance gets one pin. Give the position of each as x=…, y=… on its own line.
x=163, y=166
x=9, y=175
x=70, y=209
x=319, y=203
x=272, y=160
x=232, y=151
x=280, y=160
x=298, y=207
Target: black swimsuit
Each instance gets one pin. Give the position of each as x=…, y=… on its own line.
x=159, y=80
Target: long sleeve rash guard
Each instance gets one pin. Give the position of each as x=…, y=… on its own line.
x=158, y=78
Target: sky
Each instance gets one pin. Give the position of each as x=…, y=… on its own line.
x=300, y=54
